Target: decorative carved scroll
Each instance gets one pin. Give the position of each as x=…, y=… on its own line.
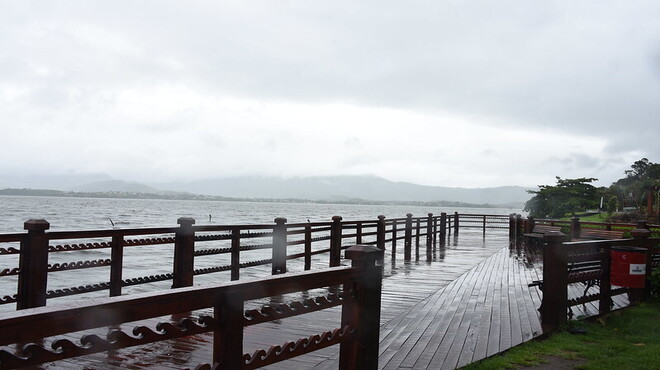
x=147, y=279
x=78, y=265
x=148, y=241
x=9, y=272
x=8, y=299
x=280, y=311
x=10, y=250
x=78, y=247
x=77, y=290
x=256, y=263
x=256, y=235
x=210, y=270
x=290, y=349
x=31, y=354
x=256, y=246
x=209, y=252
x=204, y=238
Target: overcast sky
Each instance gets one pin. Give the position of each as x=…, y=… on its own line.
x=447, y=93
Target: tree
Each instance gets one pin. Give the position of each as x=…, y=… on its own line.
x=641, y=183
x=567, y=197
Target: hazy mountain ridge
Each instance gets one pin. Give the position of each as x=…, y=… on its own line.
x=362, y=187
x=320, y=188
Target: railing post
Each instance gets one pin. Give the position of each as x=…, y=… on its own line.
x=529, y=225
x=361, y=311
x=335, y=241
x=575, y=228
x=184, y=253
x=555, y=278
x=308, y=247
x=116, y=265
x=279, y=246
x=228, y=335
x=358, y=233
x=429, y=233
x=33, y=265
x=455, y=222
x=407, y=242
x=443, y=227
x=641, y=234
x=417, y=232
x=519, y=226
x=380, y=233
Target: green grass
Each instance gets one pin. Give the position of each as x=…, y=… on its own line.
x=601, y=217
x=626, y=339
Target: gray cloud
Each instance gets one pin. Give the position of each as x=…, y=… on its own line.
x=588, y=69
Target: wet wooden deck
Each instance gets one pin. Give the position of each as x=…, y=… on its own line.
x=470, y=300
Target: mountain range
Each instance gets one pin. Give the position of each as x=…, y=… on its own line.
x=322, y=188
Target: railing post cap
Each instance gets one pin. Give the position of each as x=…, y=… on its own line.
x=430, y=214
x=640, y=233
x=409, y=215
x=38, y=224
x=443, y=213
x=336, y=218
x=185, y=221
x=280, y=220
x=381, y=217
x=575, y=218
x=554, y=236
x=363, y=252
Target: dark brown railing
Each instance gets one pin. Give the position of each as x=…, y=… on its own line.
x=588, y=263
x=573, y=227
x=35, y=250
x=357, y=335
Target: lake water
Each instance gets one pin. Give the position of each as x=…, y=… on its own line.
x=66, y=214
x=96, y=213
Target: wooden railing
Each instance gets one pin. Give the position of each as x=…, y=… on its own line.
x=587, y=263
x=573, y=227
x=357, y=334
x=38, y=250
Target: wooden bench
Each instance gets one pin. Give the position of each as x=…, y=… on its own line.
x=599, y=234
x=540, y=230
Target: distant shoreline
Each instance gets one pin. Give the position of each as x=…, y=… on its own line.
x=190, y=196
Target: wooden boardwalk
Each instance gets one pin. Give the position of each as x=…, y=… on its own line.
x=468, y=301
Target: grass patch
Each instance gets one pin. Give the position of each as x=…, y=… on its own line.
x=600, y=217
x=626, y=339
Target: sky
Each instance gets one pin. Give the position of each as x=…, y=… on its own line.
x=446, y=93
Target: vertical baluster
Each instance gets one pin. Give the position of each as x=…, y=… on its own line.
x=235, y=253
x=308, y=247
x=394, y=237
x=430, y=234
x=116, y=265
